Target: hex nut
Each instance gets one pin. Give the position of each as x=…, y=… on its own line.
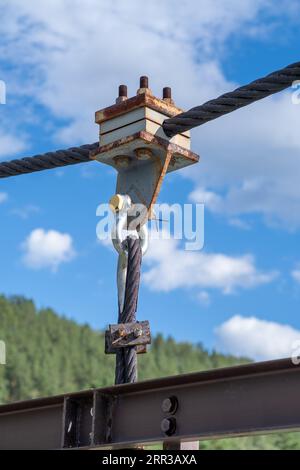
x=168, y=426
x=137, y=332
x=121, y=332
x=169, y=405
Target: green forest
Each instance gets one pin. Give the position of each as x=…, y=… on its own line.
x=47, y=354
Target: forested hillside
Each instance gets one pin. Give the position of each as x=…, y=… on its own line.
x=48, y=354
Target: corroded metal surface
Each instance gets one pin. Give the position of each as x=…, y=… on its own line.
x=132, y=141
x=144, y=99
x=123, y=335
x=140, y=178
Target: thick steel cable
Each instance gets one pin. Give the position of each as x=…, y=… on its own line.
x=243, y=96
x=126, y=358
x=257, y=90
x=47, y=160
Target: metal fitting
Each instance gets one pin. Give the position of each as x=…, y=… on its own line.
x=120, y=227
x=116, y=202
x=168, y=426
x=122, y=161
x=170, y=405
x=137, y=332
x=121, y=332
x=143, y=153
x=167, y=95
x=122, y=94
x=124, y=335
x=144, y=82
x=144, y=86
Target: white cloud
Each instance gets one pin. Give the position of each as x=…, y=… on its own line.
x=77, y=56
x=25, y=212
x=10, y=144
x=256, y=339
x=239, y=223
x=3, y=197
x=253, y=165
x=172, y=268
x=71, y=59
x=296, y=275
x=204, y=297
x=211, y=200
x=47, y=249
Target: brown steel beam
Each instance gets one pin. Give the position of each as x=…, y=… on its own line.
x=253, y=398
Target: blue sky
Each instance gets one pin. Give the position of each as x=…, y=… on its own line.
x=62, y=63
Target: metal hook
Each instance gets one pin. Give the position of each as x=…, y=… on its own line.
x=118, y=238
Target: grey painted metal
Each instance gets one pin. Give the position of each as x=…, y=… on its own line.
x=253, y=398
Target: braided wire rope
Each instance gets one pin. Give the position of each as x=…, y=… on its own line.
x=126, y=358
x=47, y=160
x=243, y=96
x=213, y=109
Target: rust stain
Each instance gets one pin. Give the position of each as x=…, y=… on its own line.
x=162, y=174
x=148, y=139
x=138, y=101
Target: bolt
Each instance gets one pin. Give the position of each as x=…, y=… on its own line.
x=137, y=332
x=121, y=161
x=122, y=94
x=123, y=91
x=169, y=405
x=168, y=426
x=143, y=154
x=144, y=86
x=167, y=93
x=122, y=332
x=144, y=82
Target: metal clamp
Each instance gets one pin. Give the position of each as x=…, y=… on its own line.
x=124, y=335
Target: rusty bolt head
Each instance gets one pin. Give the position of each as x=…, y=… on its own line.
x=144, y=86
x=143, y=153
x=167, y=95
x=121, y=332
x=122, y=161
x=168, y=426
x=169, y=405
x=137, y=332
x=167, y=92
x=144, y=82
x=123, y=91
x=122, y=94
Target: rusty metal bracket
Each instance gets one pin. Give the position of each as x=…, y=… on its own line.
x=133, y=142
x=124, y=335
